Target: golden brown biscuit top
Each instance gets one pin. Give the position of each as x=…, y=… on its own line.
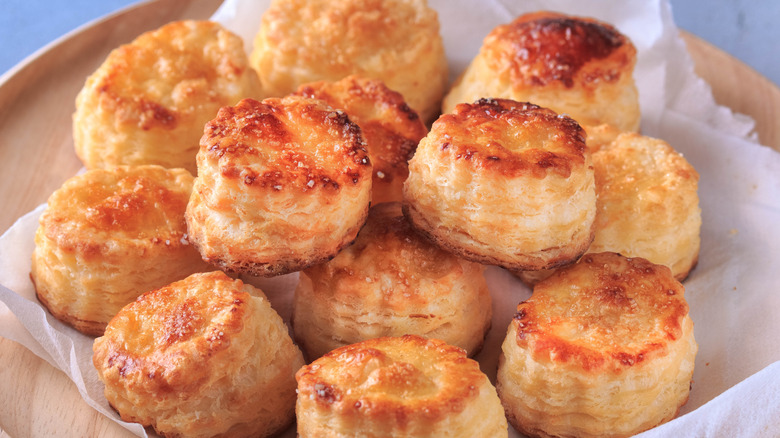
x=391, y=129
x=163, y=75
x=142, y=204
x=162, y=339
x=388, y=253
x=541, y=48
x=643, y=167
x=606, y=312
x=394, y=379
x=511, y=138
x=340, y=36
x=281, y=144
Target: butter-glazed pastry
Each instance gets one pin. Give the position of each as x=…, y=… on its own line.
x=505, y=183
x=395, y=41
x=391, y=282
x=576, y=66
x=106, y=237
x=147, y=103
x=390, y=128
x=603, y=348
x=648, y=205
x=205, y=356
x=397, y=387
x=282, y=184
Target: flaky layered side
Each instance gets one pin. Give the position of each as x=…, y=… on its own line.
x=505, y=183
x=573, y=65
x=106, y=237
x=395, y=41
x=282, y=184
x=391, y=282
x=147, y=103
x=604, y=347
x=648, y=204
x=397, y=387
x=390, y=128
x=205, y=356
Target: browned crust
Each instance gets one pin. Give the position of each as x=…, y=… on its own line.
x=390, y=127
x=475, y=134
x=458, y=387
x=548, y=258
x=545, y=48
x=143, y=205
x=253, y=145
x=609, y=286
x=176, y=332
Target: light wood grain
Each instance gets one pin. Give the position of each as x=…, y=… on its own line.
x=36, y=152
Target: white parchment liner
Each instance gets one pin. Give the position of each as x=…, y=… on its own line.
x=734, y=293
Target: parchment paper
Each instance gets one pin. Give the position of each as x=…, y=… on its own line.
x=734, y=293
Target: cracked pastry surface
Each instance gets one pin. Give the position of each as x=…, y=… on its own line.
x=390, y=128
x=576, y=66
x=397, y=387
x=505, y=183
x=604, y=347
x=147, y=103
x=205, y=356
x=106, y=237
x=391, y=282
x=282, y=184
x=395, y=41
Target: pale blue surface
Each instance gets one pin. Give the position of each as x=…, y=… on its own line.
x=748, y=29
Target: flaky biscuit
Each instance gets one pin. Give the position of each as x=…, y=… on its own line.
x=149, y=100
x=282, y=184
x=391, y=282
x=505, y=183
x=395, y=41
x=603, y=348
x=205, y=356
x=390, y=128
x=648, y=205
x=576, y=66
x=106, y=237
x=397, y=387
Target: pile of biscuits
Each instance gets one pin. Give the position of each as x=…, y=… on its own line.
x=337, y=150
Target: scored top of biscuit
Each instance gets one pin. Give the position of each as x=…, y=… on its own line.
x=513, y=138
x=606, y=312
x=543, y=48
x=282, y=144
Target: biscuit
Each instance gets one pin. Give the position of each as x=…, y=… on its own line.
x=395, y=41
x=576, y=66
x=106, y=237
x=604, y=347
x=205, y=356
x=648, y=205
x=391, y=282
x=147, y=103
x=397, y=387
x=505, y=183
x=390, y=128
x=282, y=184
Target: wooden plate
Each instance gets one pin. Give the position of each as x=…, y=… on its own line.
x=36, y=152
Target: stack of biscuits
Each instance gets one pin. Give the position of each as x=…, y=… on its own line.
x=336, y=150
